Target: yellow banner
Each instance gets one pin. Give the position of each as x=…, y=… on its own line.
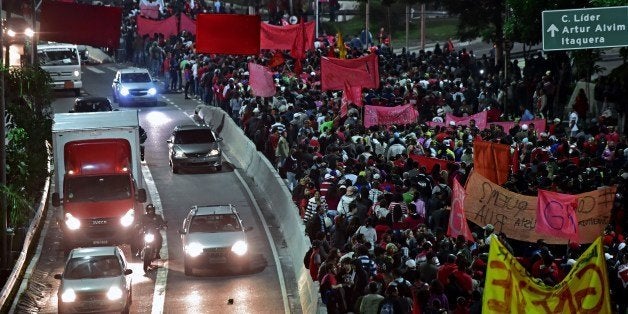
x=515, y=214
x=509, y=288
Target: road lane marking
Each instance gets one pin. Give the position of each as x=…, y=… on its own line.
x=111, y=68
x=95, y=70
x=159, y=294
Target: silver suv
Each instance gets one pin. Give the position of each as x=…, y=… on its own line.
x=194, y=146
x=95, y=279
x=213, y=234
x=134, y=85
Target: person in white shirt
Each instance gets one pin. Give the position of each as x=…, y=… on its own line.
x=368, y=231
x=573, y=122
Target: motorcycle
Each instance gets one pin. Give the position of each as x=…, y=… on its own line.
x=150, y=250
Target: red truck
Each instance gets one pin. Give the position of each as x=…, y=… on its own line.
x=98, y=179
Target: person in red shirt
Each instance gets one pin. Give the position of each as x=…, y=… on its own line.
x=546, y=269
x=448, y=268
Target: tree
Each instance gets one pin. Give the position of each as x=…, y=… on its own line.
x=480, y=18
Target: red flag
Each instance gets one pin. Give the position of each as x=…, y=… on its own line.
x=283, y=37
x=277, y=60
x=298, y=48
x=350, y=95
x=188, y=24
x=227, y=34
x=362, y=71
x=261, y=80
x=556, y=215
x=457, y=220
x=492, y=161
x=98, y=26
x=429, y=162
x=149, y=27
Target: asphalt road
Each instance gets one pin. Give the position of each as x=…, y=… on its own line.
x=167, y=289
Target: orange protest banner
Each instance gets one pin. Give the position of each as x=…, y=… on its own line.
x=492, y=160
x=515, y=214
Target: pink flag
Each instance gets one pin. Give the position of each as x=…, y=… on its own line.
x=350, y=95
x=261, y=80
x=188, y=24
x=457, y=220
x=480, y=119
x=150, y=27
x=378, y=115
x=556, y=215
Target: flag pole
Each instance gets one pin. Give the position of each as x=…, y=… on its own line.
x=316, y=17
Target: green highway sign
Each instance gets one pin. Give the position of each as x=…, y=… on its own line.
x=585, y=28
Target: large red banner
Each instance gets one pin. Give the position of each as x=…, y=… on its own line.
x=81, y=24
x=430, y=162
x=150, y=27
x=228, y=34
x=283, y=37
x=362, y=71
x=188, y=24
x=377, y=115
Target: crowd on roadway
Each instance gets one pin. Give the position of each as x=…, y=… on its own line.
x=377, y=219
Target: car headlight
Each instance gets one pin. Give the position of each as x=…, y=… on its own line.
x=178, y=153
x=214, y=152
x=149, y=237
x=72, y=222
x=239, y=248
x=68, y=296
x=128, y=218
x=152, y=91
x=194, y=249
x=124, y=91
x=76, y=73
x=114, y=293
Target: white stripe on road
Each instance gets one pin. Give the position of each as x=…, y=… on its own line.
x=111, y=68
x=159, y=295
x=95, y=70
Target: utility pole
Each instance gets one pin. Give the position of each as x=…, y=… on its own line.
x=35, y=37
x=366, y=29
x=3, y=164
x=422, y=26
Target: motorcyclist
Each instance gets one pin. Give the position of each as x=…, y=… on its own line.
x=143, y=137
x=153, y=221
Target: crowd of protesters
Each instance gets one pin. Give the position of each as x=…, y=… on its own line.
x=377, y=219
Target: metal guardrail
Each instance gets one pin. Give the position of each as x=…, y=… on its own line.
x=9, y=289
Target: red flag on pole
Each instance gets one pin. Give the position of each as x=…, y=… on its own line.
x=556, y=215
x=283, y=37
x=350, y=95
x=457, y=220
x=298, y=48
x=261, y=80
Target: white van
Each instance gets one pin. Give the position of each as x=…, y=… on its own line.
x=63, y=63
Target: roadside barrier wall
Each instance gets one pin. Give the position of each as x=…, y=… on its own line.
x=256, y=167
x=12, y=284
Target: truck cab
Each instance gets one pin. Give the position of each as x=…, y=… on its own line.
x=98, y=181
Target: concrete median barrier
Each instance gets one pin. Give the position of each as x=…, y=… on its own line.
x=260, y=170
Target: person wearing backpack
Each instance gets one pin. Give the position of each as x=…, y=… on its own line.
x=329, y=289
x=315, y=259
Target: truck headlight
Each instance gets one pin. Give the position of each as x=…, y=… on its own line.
x=194, y=249
x=149, y=237
x=128, y=218
x=124, y=91
x=114, y=293
x=76, y=73
x=214, y=152
x=152, y=91
x=239, y=248
x=68, y=296
x=71, y=222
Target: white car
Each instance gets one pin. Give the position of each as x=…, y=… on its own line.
x=95, y=279
x=134, y=85
x=214, y=235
